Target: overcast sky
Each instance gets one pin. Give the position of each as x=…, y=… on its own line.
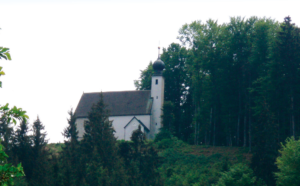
x=62, y=48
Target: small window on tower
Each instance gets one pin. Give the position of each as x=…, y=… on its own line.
x=155, y=123
x=156, y=82
x=156, y=97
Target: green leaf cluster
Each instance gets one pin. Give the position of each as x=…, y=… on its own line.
x=289, y=163
x=239, y=175
x=13, y=114
x=4, y=54
x=7, y=171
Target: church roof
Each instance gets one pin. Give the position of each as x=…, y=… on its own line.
x=119, y=103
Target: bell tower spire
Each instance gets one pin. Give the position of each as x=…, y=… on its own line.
x=157, y=94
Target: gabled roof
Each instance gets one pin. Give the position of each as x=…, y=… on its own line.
x=138, y=121
x=119, y=103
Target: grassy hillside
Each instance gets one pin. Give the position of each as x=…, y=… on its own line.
x=184, y=164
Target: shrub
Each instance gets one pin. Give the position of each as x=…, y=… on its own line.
x=289, y=163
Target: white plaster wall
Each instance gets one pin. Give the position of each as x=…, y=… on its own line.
x=134, y=124
x=119, y=123
x=157, y=92
x=79, y=123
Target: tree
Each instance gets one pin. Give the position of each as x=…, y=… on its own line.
x=7, y=171
x=145, y=79
x=285, y=73
x=40, y=165
x=70, y=156
x=288, y=163
x=4, y=54
x=263, y=89
x=177, y=85
x=141, y=160
x=168, y=117
x=6, y=131
x=7, y=115
x=103, y=165
x=238, y=175
x=22, y=147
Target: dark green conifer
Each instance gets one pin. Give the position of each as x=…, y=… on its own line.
x=23, y=148
x=70, y=156
x=141, y=160
x=100, y=149
x=42, y=173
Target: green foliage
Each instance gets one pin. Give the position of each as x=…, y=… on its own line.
x=238, y=175
x=70, y=154
x=39, y=158
x=172, y=142
x=168, y=117
x=4, y=54
x=100, y=150
x=184, y=164
x=289, y=163
x=7, y=171
x=145, y=79
x=141, y=160
x=22, y=148
x=20, y=181
x=177, y=114
x=13, y=114
x=184, y=169
x=163, y=134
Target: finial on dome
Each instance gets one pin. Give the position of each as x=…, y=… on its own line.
x=158, y=65
x=158, y=52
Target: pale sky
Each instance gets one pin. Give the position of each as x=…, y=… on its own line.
x=62, y=48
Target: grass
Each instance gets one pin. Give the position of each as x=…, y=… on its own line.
x=185, y=164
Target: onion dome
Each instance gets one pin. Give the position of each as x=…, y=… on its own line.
x=158, y=65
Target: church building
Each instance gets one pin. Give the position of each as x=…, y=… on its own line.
x=129, y=109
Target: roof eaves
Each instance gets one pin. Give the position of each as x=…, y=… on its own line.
x=138, y=121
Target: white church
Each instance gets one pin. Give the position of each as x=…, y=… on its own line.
x=129, y=109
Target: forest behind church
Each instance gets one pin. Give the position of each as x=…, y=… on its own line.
x=233, y=87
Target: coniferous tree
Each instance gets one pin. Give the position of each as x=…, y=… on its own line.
x=6, y=133
x=103, y=165
x=42, y=173
x=141, y=160
x=70, y=156
x=285, y=75
x=23, y=148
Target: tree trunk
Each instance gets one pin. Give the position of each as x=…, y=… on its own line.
x=210, y=124
x=205, y=137
x=293, y=119
x=245, y=125
x=238, y=124
x=214, y=113
x=278, y=127
x=238, y=131
x=250, y=116
x=195, y=141
x=250, y=137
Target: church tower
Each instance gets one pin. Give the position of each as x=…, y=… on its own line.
x=157, y=94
